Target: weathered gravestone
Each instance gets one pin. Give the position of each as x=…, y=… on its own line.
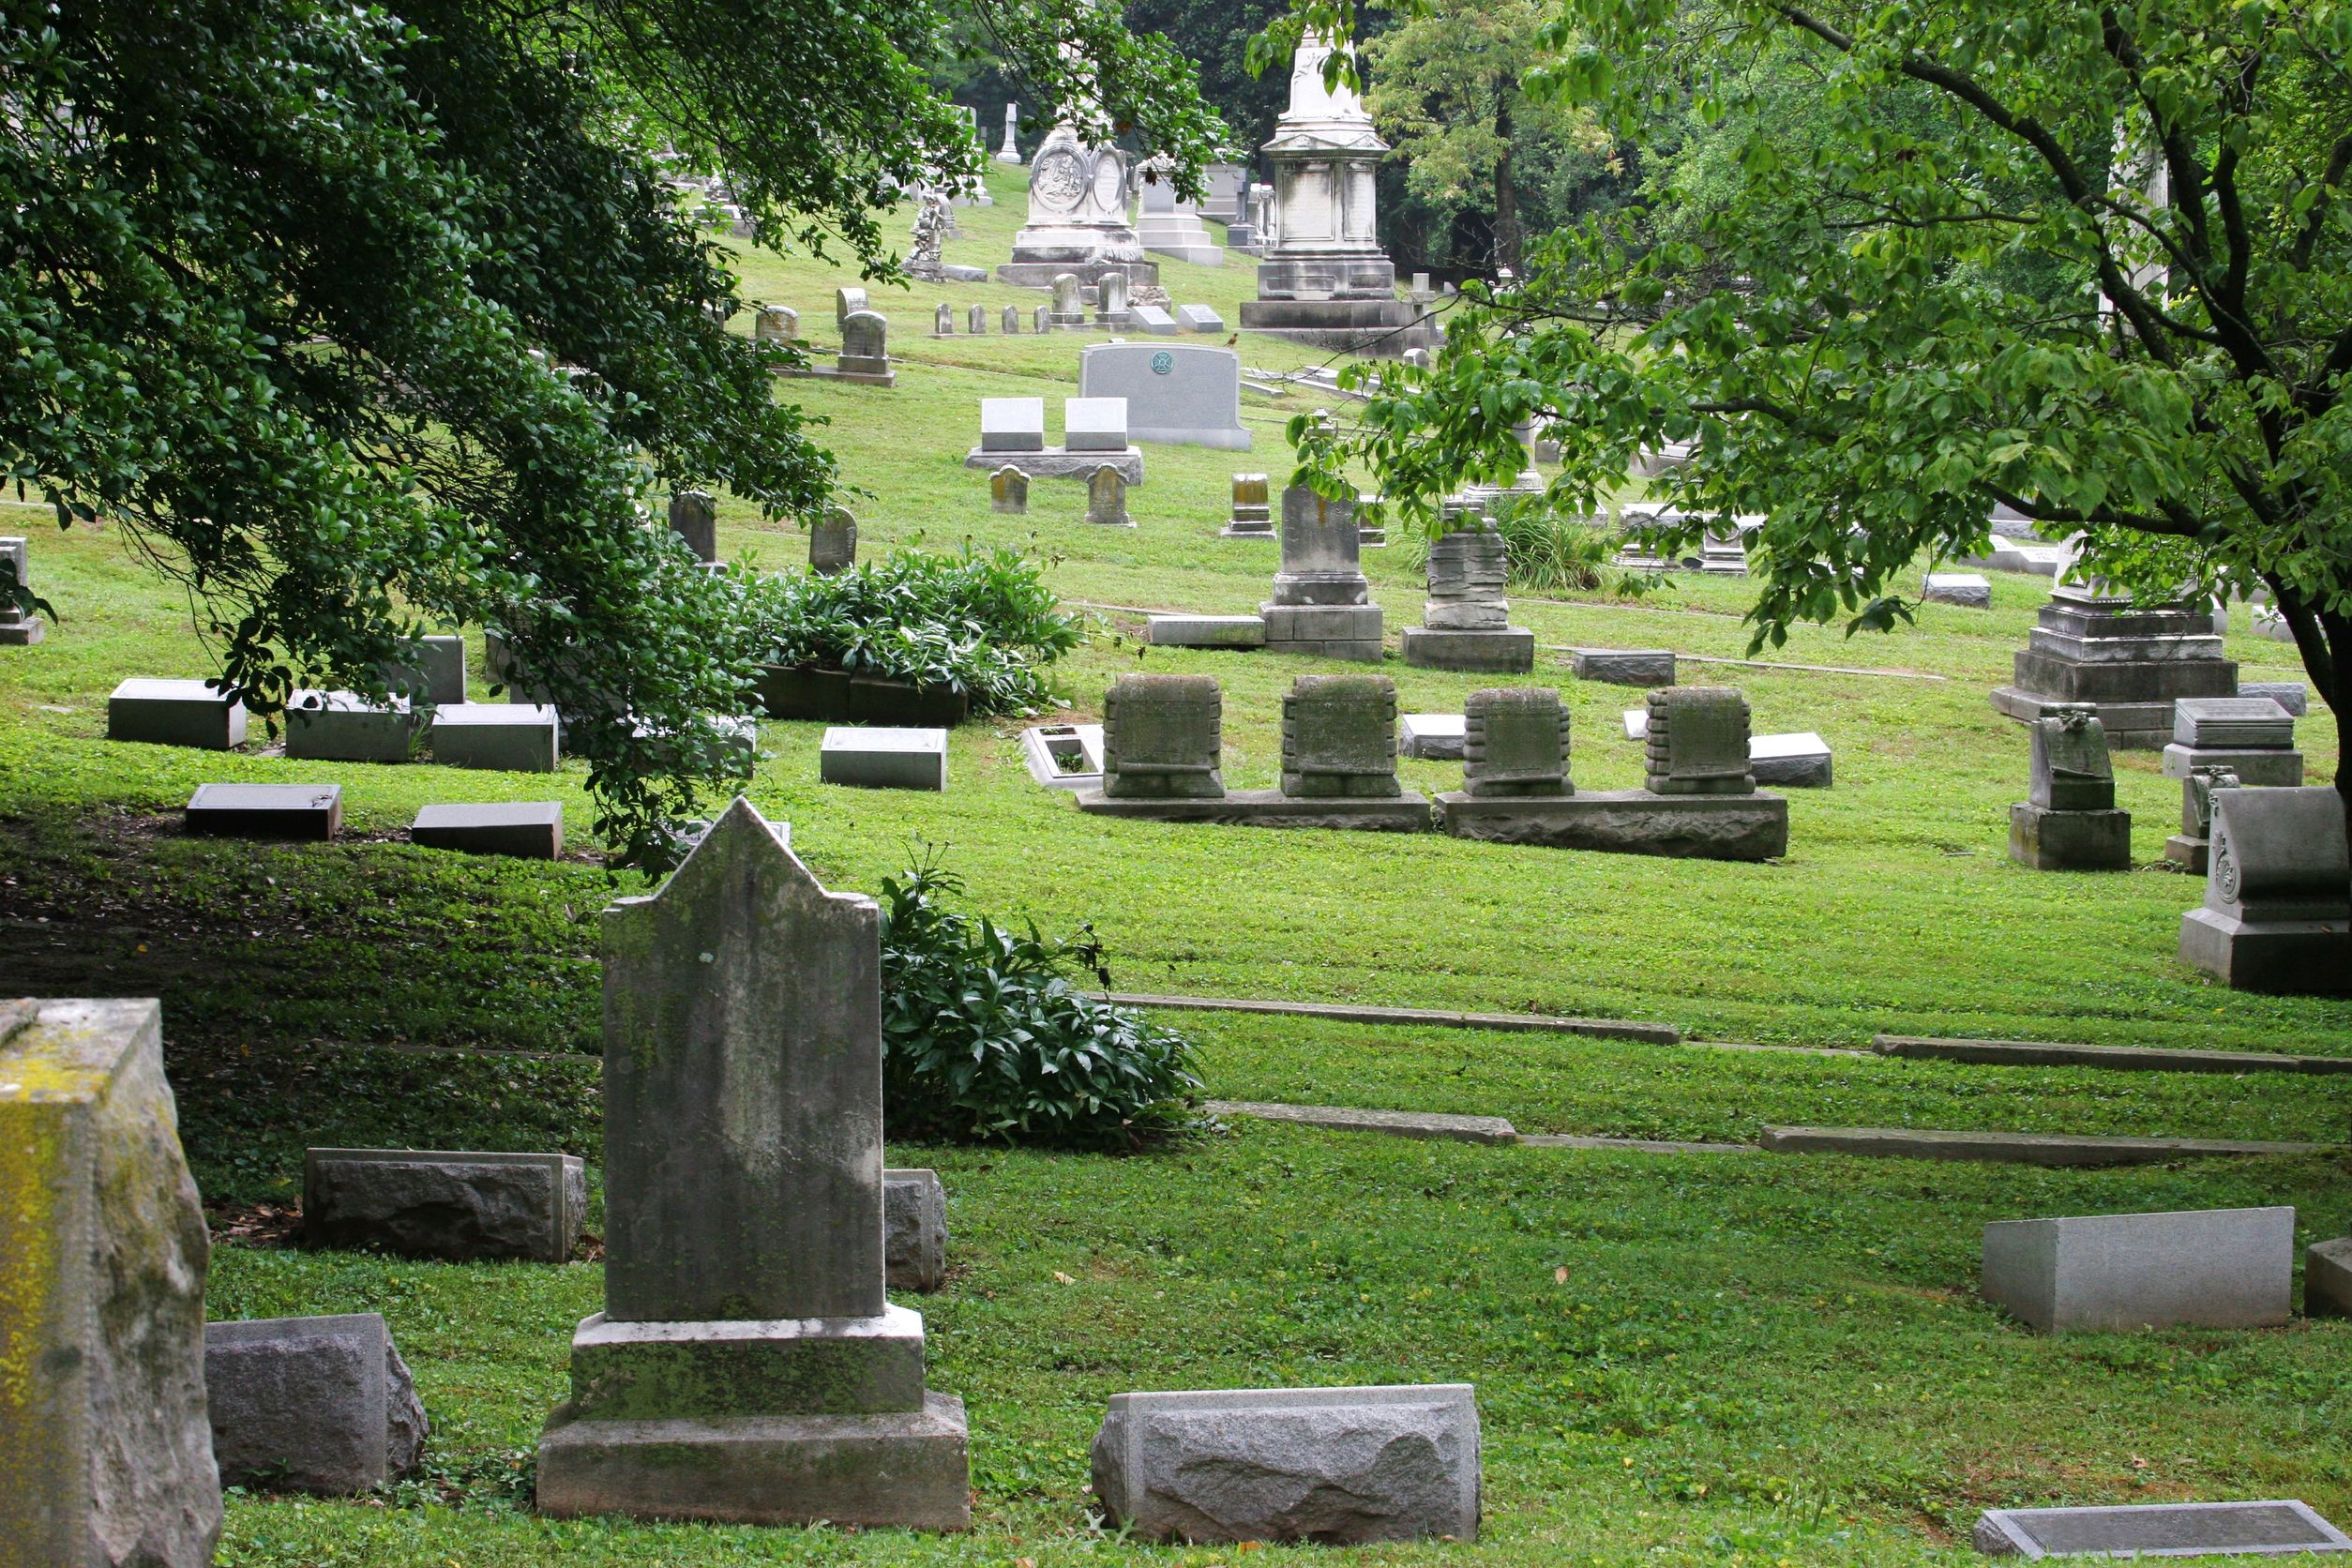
x=2278, y=894
x=321, y=1405
x=105, y=1454
x=1253, y=514
x=1162, y=737
x=1107, y=499
x=2069, y=822
x=1515, y=743
x=459, y=1206
x=1339, y=736
x=2140, y=1530
x=1335, y=1466
x=1322, y=600
x=746, y=1365
x=833, y=542
x=1008, y=490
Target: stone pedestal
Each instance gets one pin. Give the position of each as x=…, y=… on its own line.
x=2129, y=664
x=747, y=1366
x=1322, y=600
x=2278, y=899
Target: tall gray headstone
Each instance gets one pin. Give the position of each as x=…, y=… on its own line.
x=747, y=1366
x=105, y=1454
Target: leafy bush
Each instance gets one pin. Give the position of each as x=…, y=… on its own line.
x=988, y=1033
x=982, y=622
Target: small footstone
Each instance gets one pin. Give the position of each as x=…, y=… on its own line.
x=292, y=813
x=1335, y=1466
x=455, y=1206
x=880, y=757
x=2157, y=1529
x=526, y=829
x=914, y=1230
x=318, y=1405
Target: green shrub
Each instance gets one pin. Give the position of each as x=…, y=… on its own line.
x=983, y=622
x=988, y=1033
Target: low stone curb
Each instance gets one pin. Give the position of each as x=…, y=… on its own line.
x=1502, y=1023
x=2043, y=1149
x=1399, y=1124
x=2149, y=1058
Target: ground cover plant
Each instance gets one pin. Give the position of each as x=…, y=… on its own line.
x=1683, y=1359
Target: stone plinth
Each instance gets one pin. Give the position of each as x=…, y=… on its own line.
x=1746, y=827
x=1339, y=737
x=2207, y=1268
x=2278, y=897
x=105, y=1450
x=1163, y=738
x=457, y=1206
x=322, y=1405
x=2129, y=663
x=1335, y=1466
x=746, y=1365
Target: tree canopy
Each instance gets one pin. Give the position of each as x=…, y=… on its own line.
x=2091, y=261
x=362, y=322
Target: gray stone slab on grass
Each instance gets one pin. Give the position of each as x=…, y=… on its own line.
x=879, y=757
x=1335, y=1466
x=1398, y=1124
x=514, y=737
x=2153, y=1059
x=914, y=1229
x=1633, y=667
x=1405, y=812
x=2055, y=1150
x=1629, y=821
x=321, y=1405
x=2328, y=1279
x=1798, y=761
x=1502, y=1023
x=1433, y=737
x=459, y=1206
x=345, y=726
x=174, y=712
x=1205, y=631
x=103, y=1433
x=2151, y=1529
x=2205, y=1268
x=526, y=829
x=288, y=813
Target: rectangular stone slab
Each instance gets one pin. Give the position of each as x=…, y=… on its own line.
x=526, y=829
x=1629, y=821
x=292, y=813
x=880, y=757
x=1335, y=1466
x=103, y=1253
x=454, y=1205
x=174, y=712
x=1399, y=813
x=2155, y=1529
x=2205, y=1268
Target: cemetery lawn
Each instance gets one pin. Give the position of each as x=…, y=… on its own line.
x=1750, y=1358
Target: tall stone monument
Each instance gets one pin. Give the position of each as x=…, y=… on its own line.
x=1322, y=277
x=105, y=1452
x=747, y=1366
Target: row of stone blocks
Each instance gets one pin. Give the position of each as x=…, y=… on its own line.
x=1163, y=740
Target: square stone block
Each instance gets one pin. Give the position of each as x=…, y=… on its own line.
x=2149, y=1529
x=1508, y=652
x=1335, y=1466
x=518, y=737
x=910, y=1470
x=1206, y=631
x=292, y=813
x=883, y=758
x=458, y=1206
x=2328, y=1279
x=318, y=1405
x=2203, y=1268
x=2048, y=840
x=1633, y=667
x=1011, y=424
x=706, y=1371
x=1094, y=425
x=174, y=712
x=914, y=1230
x=345, y=726
x=1434, y=737
x=526, y=829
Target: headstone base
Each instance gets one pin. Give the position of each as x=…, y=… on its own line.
x=908, y=1469
x=2289, y=957
x=1399, y=813
x=1510, y=651
x=1750, y=827
x=2048, y=840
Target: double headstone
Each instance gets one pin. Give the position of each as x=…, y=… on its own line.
x=1253, y=513
x=2278, y=894
x=833, y=542
x=2069, y=822
x=1466, y=622
x=1322, y=600
x=1162, y=738
x=1339, y=737
x=746, y=1365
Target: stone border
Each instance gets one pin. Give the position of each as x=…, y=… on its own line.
x=1502, y=1023
x=2146, y=1058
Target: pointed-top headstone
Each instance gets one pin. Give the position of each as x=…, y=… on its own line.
x=743, y=1090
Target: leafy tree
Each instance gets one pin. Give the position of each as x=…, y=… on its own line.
x=359, y=321
x=2091, y=261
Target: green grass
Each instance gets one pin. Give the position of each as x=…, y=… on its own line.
x=1754, y=1358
